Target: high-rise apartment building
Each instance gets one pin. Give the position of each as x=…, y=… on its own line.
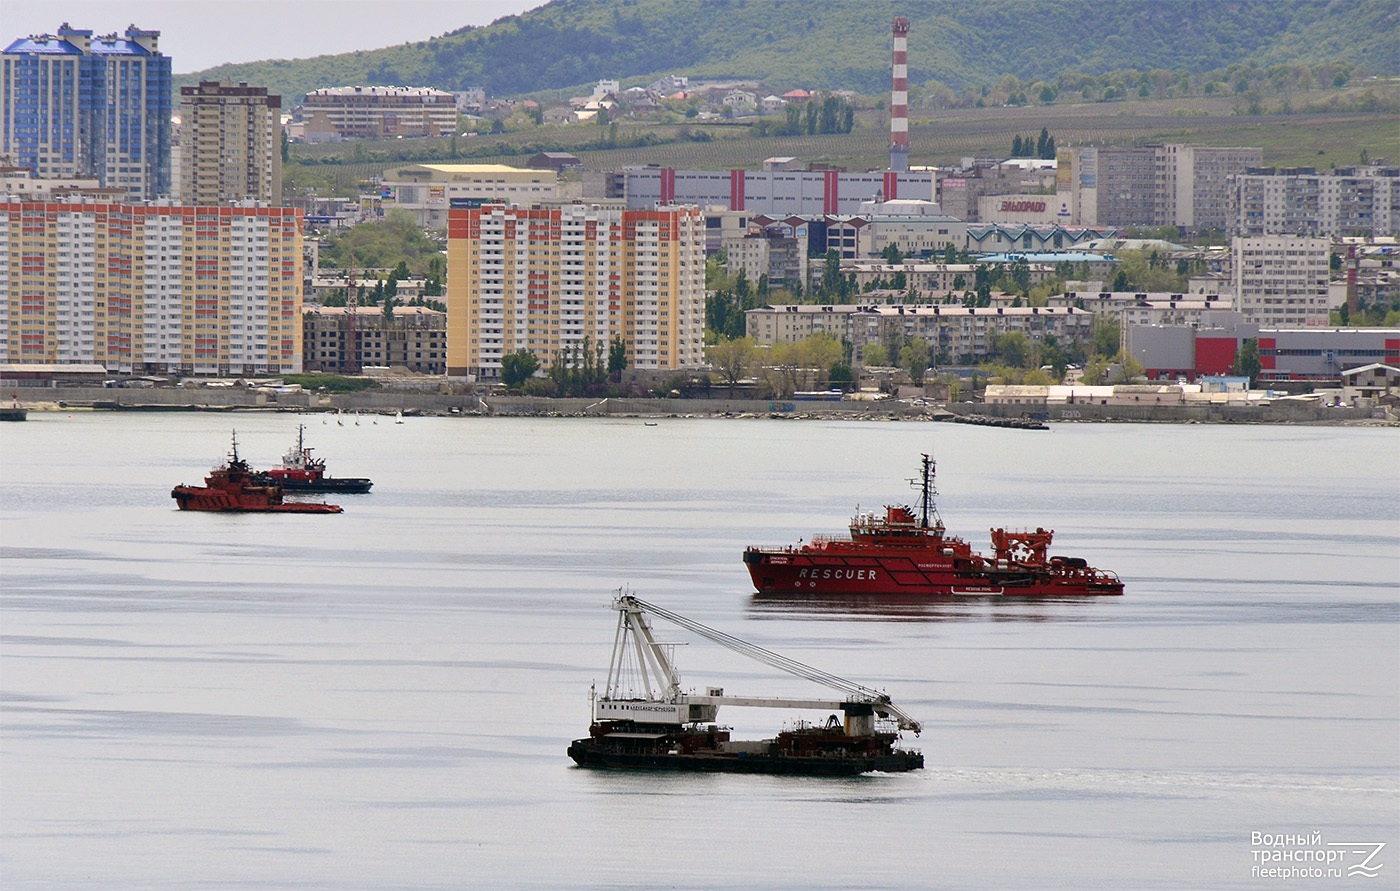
x=1281, y=280
x=73, y=105
x=1187, y=186
x=1195, y=182
x=151, y=289
x=1127, y=186
x=1302, y=201
x=230, y=144
x=545, y=279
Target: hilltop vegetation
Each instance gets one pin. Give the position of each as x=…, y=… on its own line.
x=844, y=44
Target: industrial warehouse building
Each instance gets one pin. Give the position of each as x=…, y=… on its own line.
x=772, y=190
x=1170, y=352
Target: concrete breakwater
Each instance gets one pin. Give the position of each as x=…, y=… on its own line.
x=389, y=402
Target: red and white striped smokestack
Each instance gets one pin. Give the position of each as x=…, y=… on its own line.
x=899, y=99
x=1353, y=297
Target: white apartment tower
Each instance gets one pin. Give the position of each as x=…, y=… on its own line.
x=1281, y=280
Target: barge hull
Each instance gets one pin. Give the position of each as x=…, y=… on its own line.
x=334, y=485
x=587, y=754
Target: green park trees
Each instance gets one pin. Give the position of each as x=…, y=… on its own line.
x=617, y=358
x=915, y=357
x=580, y=369
x=382, y=244
x=517, y=368
x=805, y=365
x=875, y=355
x=1247, y=362
x=783, y=368
x=734, y=359
x=1029, y=147
x=1117, y=369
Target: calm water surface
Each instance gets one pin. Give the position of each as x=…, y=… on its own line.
x=382, y=699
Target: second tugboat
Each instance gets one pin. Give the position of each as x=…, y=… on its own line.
x=654, y=726
x=901, y=553
x=299, y=472
x=233, y=487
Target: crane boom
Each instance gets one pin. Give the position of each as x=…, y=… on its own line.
x=661, y=682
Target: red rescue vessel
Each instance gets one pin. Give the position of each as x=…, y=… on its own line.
x=901, y=553
x=234, y=487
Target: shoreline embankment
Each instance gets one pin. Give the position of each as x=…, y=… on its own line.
x=411, y=403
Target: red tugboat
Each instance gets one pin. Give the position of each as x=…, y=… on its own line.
x=234, y=487
x=900, y=553
x=299, y=472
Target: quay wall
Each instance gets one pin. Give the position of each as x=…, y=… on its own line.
x=426, y=403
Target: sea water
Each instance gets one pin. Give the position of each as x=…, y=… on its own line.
x=383, y=698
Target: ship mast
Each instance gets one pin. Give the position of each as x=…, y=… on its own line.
x=928, y=497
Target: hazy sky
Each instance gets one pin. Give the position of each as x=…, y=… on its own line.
x=199, y=34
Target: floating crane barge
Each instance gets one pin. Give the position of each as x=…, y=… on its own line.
x=655, y=726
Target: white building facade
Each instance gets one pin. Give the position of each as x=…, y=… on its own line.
x=151, y=289
x=1300, y=201
x=547, y=279
x=1281, y=281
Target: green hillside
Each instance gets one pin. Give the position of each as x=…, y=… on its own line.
x=845, y=44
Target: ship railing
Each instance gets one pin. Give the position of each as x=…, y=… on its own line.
x=1090, y=573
